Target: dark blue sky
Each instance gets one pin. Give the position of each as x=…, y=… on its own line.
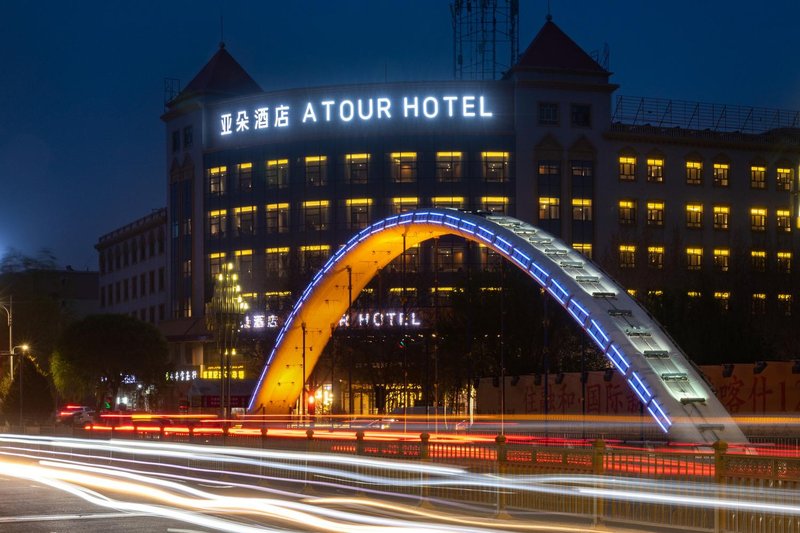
x=81, y=83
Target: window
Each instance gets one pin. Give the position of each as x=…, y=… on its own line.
x=316, y=170
x=655, y=170
x=785, y=304
x=721, y=174
x=176, y=140
x=722, y=258
x=694, y=173
x=655, y=214
x=549, y=208
x=125, y=294
x=584, y=248
x=244, y=258
x=404, y=167
x=315, y=215
x=401, y=205
x=277, y=173
x=356, y=168
x=581, y=115
x=785, y=262
x=758, y=259
x=358, y=212
x=758, y=177
x=494, y=204
x=408, y=260
x=277, y=262
x=627, y=256
x=143, y=284
x=582, y=209
x=721, y=216
x=549, y=168
x=216, y=180
x=655, y=257
x=278, y=218
x=215, y=262
x=161, y=279
x=449, y=256
x=448, y=166
x=244, y=220
x=627, y=212
x=188, y=136
x=455, y=202
x=495, y=166
x=694, y=215
x=784, y=220
x=134, y=287
x=245, y=172
x=694, y=258
x=759, y=303
x=186, y=267
x=217, y=223
x=314, y=256
x=627, y=168
x=723, y=299
x=548, y=114
x=785, y=176
x=758, y=219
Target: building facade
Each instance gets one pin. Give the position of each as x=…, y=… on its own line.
x=659, y=195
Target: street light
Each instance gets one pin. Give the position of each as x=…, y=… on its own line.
x=9, y=312
x=24, y=348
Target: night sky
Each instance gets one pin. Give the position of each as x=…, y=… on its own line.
x=81, y=83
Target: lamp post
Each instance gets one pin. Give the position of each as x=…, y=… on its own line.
x=9, y=308
x=24, y=348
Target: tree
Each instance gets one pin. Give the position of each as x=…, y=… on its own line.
x=37, y=398
x=95, y=354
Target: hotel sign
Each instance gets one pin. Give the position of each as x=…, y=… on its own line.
x=285, y=115
x=382, y=320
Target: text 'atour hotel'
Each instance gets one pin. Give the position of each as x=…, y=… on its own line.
x=347, y=110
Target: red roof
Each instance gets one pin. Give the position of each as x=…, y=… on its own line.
x=222, y=76
x=553, y=49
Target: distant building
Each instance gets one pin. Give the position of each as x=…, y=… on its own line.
x=663, y=194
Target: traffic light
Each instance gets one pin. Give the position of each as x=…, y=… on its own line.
x=403, y=342
x=312, y=404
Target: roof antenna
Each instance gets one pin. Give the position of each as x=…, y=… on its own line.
x=221, y=31
x=549, y=16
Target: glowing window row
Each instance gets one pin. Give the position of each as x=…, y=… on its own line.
x=694, y=258
x=694, y=216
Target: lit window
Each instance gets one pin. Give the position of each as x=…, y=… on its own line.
x=758, y=219
x=549, y=168
x=358, y=212
x=448, y=166
x=549, y=208
x=315, y=215
x=632, y=292
x=694, y=258
x=584, y=248
x=216, y=180
x=404, y=167
x=627, y=168
x=655, y=257
x=694, y=215
x=721, y=216
x=277, y=173
x=655, y=170
x=581, y=169
x=784, y=219
x=785, y=304
x=494, y=204
x=627, y=212
x=582, y=209
x=495, y=166
x=785, y=262
x=244, y=220
x=722, y=257
x=758, y=259
x=278, y=218
x=759, y=303
x=721, y=171
x=215, y=262
x=655, y=214
x=356, y=168
x=401, y=205
x=316, y=170
x=694, y=172
x=655, y=293
x=455, y=202
x=694, y=294
x=244, y=259
x=217, y=223
x=758, y=177
x=548, y=114
x=627, y=256
x=245, y=172
x=723, y=299
x=785, y=176
x=313, y=257
x=277, y=262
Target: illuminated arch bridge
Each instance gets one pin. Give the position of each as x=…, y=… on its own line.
x=672, y=391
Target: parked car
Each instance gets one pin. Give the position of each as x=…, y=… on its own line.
x=75, y=415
